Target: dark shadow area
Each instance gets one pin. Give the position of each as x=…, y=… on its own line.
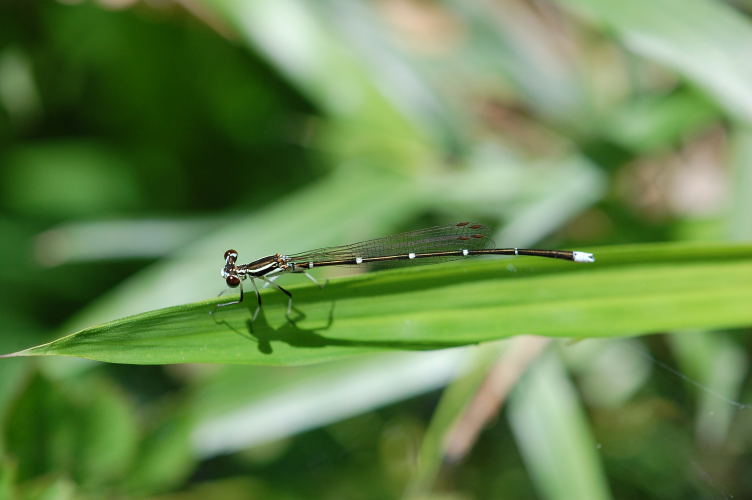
x=291, y=334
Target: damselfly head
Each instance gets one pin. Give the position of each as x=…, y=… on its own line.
x=230, y=271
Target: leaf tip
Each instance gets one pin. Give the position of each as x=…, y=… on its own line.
x=14, y=354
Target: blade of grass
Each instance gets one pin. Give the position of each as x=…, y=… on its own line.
x=8, y=469
x=300, y=42
x=630, y=290
x=468, y=405
x=500, y=380
x=453, y=402
x=719, y=367
x=553, y=434
x=285, y=401
x=740, y=208
x=707, y=41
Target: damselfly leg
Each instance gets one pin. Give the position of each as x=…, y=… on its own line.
x=314, y=280
x=286, y=292
x=231, y=303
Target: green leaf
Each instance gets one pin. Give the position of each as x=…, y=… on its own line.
x=48, y=488
x=719, y=367
x=293, y=35
x=552, y=433
x=231, y=415
x=107, y=443
x=629, y=290
x=69, y=178
x=454, y=401
x=7, y=477
x=740, y=204
x=164, y=458
x=707, y=41
x=656, y=122
x=51, y=429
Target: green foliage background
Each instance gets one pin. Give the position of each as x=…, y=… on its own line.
x=138, y=141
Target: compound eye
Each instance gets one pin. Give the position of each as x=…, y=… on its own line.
x=231, y=254
x=232, y=281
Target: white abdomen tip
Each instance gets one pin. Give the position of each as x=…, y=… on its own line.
x=583, y=257
x=358, y=260
x=411, y=255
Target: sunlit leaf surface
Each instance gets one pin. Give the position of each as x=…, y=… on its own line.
x=628, y=291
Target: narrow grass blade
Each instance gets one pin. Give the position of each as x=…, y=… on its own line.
x=454, y=401
x=553, y=435
x=707, y=41
x=628, y=291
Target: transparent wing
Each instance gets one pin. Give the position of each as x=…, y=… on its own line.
x=460, y=236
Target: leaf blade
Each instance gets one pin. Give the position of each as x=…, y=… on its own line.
x=706, y=41
x=630, y=290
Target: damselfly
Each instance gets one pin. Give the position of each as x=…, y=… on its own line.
x=440, y=243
